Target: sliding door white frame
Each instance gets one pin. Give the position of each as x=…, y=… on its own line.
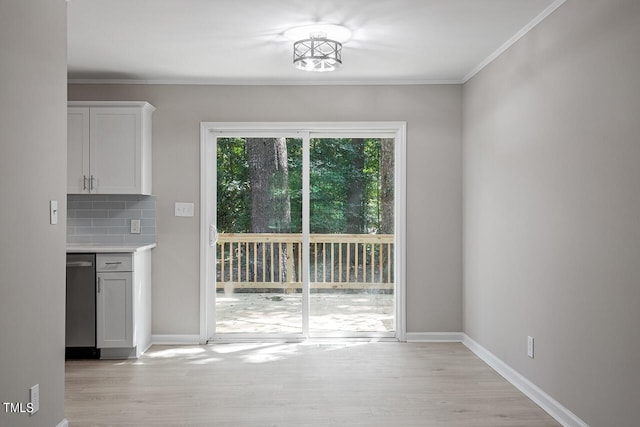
x=210, y=131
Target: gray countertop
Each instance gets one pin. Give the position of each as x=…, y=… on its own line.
x=105, y=248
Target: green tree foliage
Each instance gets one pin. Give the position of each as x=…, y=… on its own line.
x=233, y=187
x=339, y=169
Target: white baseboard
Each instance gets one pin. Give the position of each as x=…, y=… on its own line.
x=63, y=423
x=140, y=351
x=434, y=336
x=175, y=339
x=561, y=414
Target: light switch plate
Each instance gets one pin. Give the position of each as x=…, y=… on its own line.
x=135, y=226
x=184, y=209
x=53, y=212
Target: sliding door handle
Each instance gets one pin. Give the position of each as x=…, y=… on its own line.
x=213, y=235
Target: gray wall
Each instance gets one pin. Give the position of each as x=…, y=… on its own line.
x=552, y=208
x=434, y=117
x=33, y=77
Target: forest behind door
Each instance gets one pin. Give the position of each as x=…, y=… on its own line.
x=260, y=182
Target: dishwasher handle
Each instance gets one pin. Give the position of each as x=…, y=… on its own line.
x=79, y=264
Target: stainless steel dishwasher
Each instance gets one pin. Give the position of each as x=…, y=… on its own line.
x=80, y=337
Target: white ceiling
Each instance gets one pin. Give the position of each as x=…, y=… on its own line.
x=242, y=41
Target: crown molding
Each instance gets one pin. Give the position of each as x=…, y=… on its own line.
x=531, y=25
x=222, y=82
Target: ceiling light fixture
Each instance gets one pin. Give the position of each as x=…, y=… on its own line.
x=317, y=53
x=318, y=47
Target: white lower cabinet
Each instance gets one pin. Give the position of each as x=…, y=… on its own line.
x=114, y=310
x=123, y=304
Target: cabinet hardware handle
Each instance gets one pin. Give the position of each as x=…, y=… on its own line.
x=99, y=284
x=112, y=263
x=91, y=185
x=84, y=182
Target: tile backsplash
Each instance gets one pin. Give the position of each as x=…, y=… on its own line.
x=106, y=219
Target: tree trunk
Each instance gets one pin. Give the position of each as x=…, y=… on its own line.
x=355, y=197
x=355, y=194
x=270, y=201
x=386, y=185
x=269, y=180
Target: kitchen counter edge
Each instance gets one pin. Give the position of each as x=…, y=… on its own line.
x=98, y=248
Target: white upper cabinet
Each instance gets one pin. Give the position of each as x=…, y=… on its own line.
x=77, y=149
x=109, y=147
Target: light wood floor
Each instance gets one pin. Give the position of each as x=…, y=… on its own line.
x=306, y=384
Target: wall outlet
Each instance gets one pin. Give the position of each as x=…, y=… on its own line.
x=184, y=209
x=135, y=226
x=530, y=347
x=34, y=398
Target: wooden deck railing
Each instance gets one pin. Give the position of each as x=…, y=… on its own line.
x=274, y=261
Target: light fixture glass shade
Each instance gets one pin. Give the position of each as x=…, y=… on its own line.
x=317, y=53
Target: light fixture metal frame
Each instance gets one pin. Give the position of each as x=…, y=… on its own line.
x=317, y=53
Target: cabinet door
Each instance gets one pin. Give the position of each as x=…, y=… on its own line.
x=77, y=150
x=114, y=325
x=116, y=150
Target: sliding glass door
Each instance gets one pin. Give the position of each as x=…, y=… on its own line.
x=259, y=222
x=351, y=236
x=299, y=233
